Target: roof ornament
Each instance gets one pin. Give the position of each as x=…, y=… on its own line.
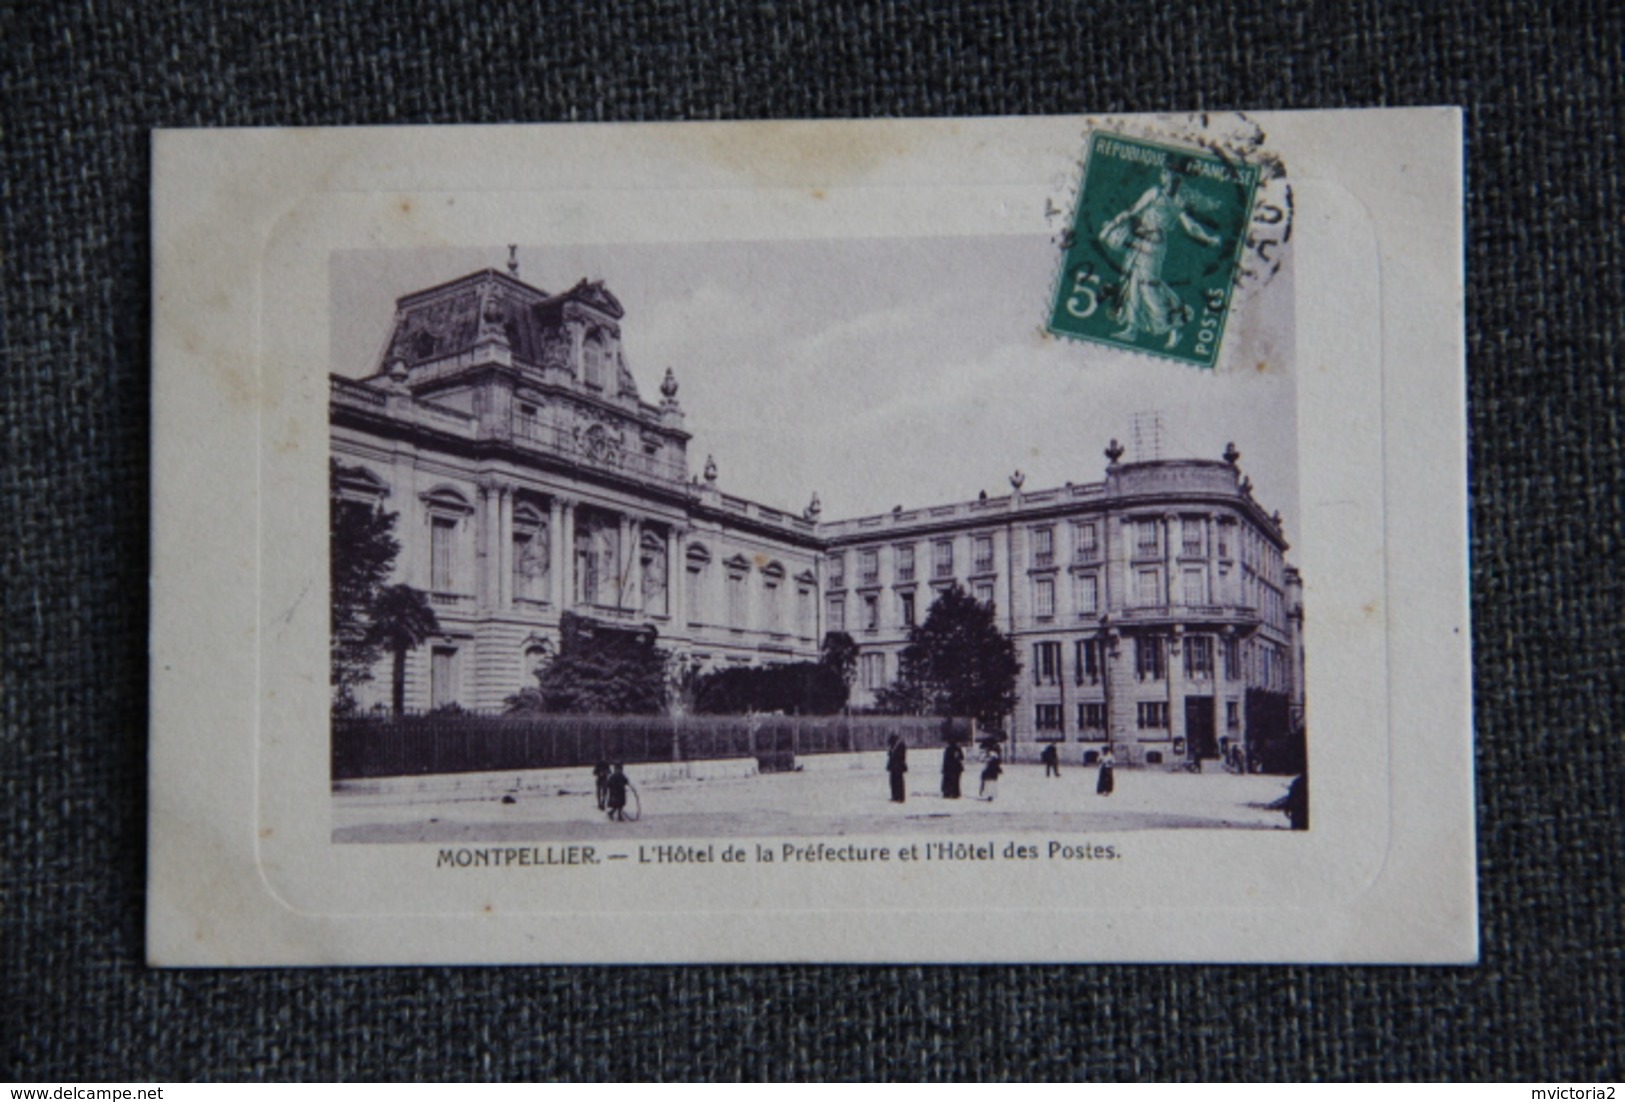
x=710, y=469
x=1017, y=480
x=513, y=261
x=814, y=508
x=1231, y=455
x=668, y=386
x=1114, y=452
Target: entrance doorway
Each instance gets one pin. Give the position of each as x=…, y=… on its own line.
x=1199, y=732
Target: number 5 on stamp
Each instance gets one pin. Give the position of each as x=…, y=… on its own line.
x=1156, y=238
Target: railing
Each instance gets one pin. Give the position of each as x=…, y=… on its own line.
x=366, y=746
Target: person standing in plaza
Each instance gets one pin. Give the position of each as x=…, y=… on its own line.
x=953, y=766
x=600, y=775
x=1051, y=757
x=990, y=774
x=897, y=765
x=1103, y=786
x=616, y=785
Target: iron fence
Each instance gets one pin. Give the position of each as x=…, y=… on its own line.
x=411, y=745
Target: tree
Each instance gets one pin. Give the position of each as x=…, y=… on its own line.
x=599, y=671
x=367, y=616
x=840, y=654
x=799, y=688
x=401, y=621
x=957, y=663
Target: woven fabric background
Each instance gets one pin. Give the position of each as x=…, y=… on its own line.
x=84, y=83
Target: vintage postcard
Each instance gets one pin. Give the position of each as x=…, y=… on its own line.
x=954, y=541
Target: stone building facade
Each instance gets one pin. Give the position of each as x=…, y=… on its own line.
x=532, y=479
x=1144, y=607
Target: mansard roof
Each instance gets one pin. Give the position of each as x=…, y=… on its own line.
x=452, y=318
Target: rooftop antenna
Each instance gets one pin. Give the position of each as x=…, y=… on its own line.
x=1146, y=432
x=513, y=261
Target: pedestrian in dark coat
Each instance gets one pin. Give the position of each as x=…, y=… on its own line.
x=990, y=774
x=953, y=766
x=897, y=765
x=616, y=785
x=1103, y=786
x=600, y=776
x=1051, y=757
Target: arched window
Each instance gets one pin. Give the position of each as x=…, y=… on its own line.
x=532, y=554
x=652, y=573
x=772, y=593
x=699, y=563
x=447, y=513
x=594, y=355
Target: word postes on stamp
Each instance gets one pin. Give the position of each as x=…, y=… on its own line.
x=1152, y=255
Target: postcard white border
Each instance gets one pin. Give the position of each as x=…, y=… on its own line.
x=240, y=217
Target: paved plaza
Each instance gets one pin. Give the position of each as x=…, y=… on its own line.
x=845, y=802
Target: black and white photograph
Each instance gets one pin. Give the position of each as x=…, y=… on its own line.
x=794, y=539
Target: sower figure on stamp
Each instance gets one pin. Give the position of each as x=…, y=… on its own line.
x=1051, y=757
x=897, y=765
x=953, y=766
x=1103, y=786
x=1146, y=304
x=616, y=785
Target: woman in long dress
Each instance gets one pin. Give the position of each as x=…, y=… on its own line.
x=1103, y=787
x=1140, y=233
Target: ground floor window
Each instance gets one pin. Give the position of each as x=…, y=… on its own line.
x=1153, y=715
x=442, y=677
x=1092, y=716
x=1049, y=717
x=872, y=670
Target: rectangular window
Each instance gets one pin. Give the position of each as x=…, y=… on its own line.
x=905, y=562
x=1043, y=546
x=1088, y=660
x=1086, y=593
x=1153, y=715
x=1232, y=715
x=442, y=535
x=982, y=550
x=869, y=566
x=1199, y=656
x=1194, y=583
x=1046, y=663
x=906, y=603
x=696, y=593
x=1145, y=537
x=1044, y=598
x=530, y=552
x=1092, y=716
x=442, y=677
x=1148, y=657
x=1190, y=536
x=1223, y=532
x=804, y=612
x=942, y=559
x=770, y=604
x=871, y=612
x=1049, y=717
x=1087, y=544
x=872, y=671
x=1232, y=659
x=837, y=570
x=984, y=593
x=736, y=601
x=1148, y=588
x=837, y=614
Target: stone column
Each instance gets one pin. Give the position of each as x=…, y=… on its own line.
x=504, y=555
x=1176, y=683
x=1170, y=559
x=556, y=552
x=676, y=578
x=484, y=537
x=567, y=564
x=625, y=563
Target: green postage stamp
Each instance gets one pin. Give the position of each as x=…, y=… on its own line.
x=1155, y=240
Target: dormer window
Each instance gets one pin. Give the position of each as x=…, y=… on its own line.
x=594, y=355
